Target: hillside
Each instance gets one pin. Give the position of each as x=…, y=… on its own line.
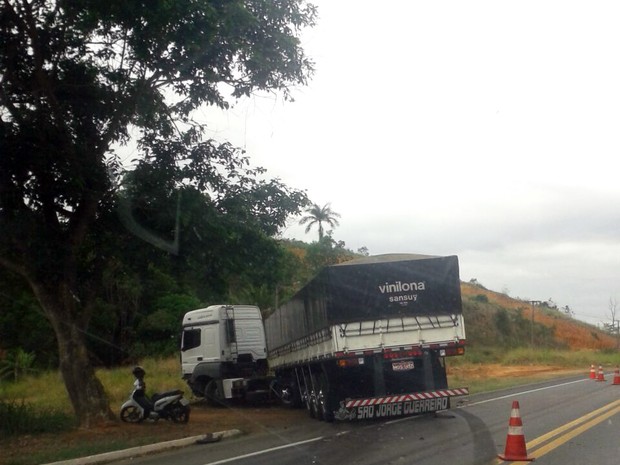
x=495, y=319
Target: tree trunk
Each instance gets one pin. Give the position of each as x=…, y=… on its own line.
x=86, y=393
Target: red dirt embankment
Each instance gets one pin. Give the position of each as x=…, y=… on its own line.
x=568, y=331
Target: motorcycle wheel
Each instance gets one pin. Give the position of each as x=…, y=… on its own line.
x=131, y=414
x=180, y=414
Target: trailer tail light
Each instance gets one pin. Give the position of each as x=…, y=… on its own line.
x=456, y=350
x=350, y=362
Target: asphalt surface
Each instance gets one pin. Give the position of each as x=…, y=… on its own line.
x=572, y=420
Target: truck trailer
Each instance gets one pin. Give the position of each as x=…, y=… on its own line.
x=364, y=339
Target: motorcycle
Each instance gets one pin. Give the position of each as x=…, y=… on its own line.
x=168, y=405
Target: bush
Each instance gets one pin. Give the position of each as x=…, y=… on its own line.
x=21, y=418
x=17, y=364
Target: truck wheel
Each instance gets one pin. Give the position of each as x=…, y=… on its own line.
x=306, y=394
x=308, y=403
x=289, y=395
x=212, y=394
x=315, y=408
x=315, y=411
x=325, y=411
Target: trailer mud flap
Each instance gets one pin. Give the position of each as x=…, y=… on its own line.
x=398, y=406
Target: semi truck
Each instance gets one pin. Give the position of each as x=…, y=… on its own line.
x=364, y=339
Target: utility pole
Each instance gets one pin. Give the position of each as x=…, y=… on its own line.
x=613, y=312
x=532, y=303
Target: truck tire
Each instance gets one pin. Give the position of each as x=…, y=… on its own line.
x=324, y=404
x=308, y=403
x=213, y=395
x=289, y=395
x=315, y=411
x=306, y=392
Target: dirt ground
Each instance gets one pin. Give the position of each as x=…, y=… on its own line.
x=516, y=371
x=205, y=419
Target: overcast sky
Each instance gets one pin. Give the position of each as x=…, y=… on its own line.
x=487, y=130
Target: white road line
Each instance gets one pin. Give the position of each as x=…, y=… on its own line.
x=319, y=438
x=265, y=451
x=525, y=392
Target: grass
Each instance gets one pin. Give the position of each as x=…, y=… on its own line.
x=161, y=375
x=51, y=410
x=39, y=404
x=164, y=374
x=488, y=369
x=534, y=356
x=22, y=418
x=118, y=382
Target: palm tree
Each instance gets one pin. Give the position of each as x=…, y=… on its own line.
x=319, y=215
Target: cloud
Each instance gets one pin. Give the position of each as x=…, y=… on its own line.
x=486, y=130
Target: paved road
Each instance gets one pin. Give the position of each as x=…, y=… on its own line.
x=571, y=421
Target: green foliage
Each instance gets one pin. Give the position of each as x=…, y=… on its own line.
x=327, y=252
x=502, y=322
x=16, y=364
x=80, y=79
x=481, y=298
x=157, y=333
x=570, y=359
x=475, y=282
x=317, y=216
x=263, y=296
x=22, y=322
x=22, y=418
x=490, y=325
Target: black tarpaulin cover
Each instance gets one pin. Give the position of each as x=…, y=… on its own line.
x=369, y=288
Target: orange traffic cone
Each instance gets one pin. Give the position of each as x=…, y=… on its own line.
x=616, y=377
x=601, y=375
x=515, y=440
x=592, y=372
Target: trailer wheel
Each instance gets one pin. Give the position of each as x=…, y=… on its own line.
x=315, y=411
x=315, y=408
x=308, y=396
x=325, y=412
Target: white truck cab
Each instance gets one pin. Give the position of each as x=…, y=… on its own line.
x=220, y=345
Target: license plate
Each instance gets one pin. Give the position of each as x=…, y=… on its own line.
x=403, y=365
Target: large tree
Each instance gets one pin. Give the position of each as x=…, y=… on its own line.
x=317, y=215
x=78, y=79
